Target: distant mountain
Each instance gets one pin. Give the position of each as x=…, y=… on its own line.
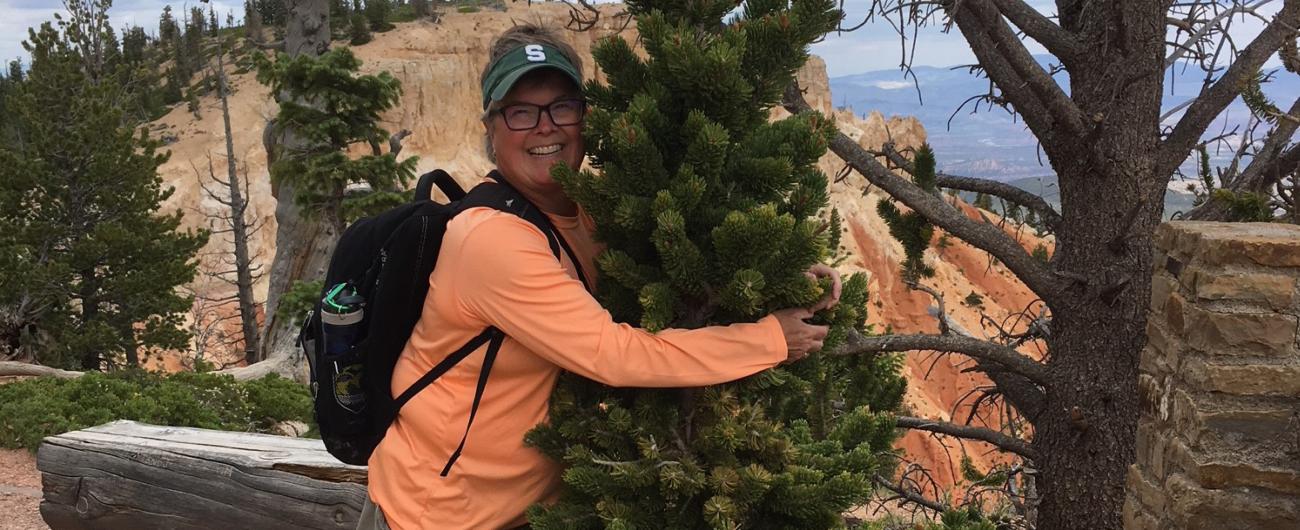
x=990, y=143
x=1178, y=199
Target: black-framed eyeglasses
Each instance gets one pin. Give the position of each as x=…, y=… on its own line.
x=524, y=116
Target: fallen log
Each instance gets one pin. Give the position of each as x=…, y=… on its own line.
x=15, y=368
x=127, y=475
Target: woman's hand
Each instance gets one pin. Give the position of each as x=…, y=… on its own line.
x=833, y=297
x=801, y=337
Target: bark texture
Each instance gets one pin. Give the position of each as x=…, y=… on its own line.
x=302, y=242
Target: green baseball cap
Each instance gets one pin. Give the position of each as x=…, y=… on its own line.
x=507, y=70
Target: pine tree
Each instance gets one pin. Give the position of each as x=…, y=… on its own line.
x=329, y=103
x=377, y=13
x=88, y=265
x=359, y=30
x=134, y=42
x=252, y=22
x=710, y=214
x=167, y=29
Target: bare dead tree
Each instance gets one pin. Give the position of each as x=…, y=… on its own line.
x=1114, y=157
x=233, y=195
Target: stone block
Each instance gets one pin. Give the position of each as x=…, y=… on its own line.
x=1150, y=449
x=1225, y=475
x=1263, y=244
x=1243, y=380
x=1149, y=495
x=1163, y=348
x=1135, y=518
x=1250, y=427
x=1277, y=291
x=1150, y=396
x=1175, y=309
x=1182, y=414
x=1246, y=334
x=1192, y=507
x=1162, y=285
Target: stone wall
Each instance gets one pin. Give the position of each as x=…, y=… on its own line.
x=1218, y=443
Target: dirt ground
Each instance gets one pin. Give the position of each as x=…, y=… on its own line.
x=20, y=491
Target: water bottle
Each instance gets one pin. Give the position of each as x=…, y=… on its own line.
x=342, y=311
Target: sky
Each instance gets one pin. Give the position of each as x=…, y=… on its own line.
x=876, y=46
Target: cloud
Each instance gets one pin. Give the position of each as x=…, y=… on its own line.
x=892, y=85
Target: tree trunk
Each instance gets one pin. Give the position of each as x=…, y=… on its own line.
x=1087, y=432
x=89, y=311
x=239, y=228
x=302, y=244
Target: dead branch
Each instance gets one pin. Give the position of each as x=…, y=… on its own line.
x=1175, y=148
x=968, y=432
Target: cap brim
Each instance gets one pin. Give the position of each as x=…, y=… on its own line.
x=511, y=78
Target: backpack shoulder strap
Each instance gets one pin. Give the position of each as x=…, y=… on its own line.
x=444, y=182
x=504, y=197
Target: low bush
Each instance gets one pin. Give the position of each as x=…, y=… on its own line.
x=33, y=409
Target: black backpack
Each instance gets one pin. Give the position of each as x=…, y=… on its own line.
x=373, y=295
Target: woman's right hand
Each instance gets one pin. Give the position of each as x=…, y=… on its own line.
x=801, y=338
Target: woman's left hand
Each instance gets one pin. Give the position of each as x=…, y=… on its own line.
x=831, y=298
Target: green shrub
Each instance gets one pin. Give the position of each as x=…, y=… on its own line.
x=467, y=9
x=33, y=409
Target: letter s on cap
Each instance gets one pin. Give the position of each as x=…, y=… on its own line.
x=535, y=53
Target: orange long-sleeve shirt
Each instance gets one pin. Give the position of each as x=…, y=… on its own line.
x=497, y=269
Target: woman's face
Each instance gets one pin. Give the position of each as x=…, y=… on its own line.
x=526, y=157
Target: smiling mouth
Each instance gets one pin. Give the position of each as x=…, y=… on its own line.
x=545, y=150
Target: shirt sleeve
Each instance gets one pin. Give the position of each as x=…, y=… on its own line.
x=507, y=277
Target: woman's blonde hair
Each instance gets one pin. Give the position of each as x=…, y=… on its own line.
x=512, y=39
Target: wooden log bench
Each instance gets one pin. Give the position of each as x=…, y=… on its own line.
x=127, y=475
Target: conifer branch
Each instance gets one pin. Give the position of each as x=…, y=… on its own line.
x=1051, y=218
x=1012, y=360
x=1040, y=28
x=1174, y=149
x=983, y=236
x=1045, y=107
x=969, y=432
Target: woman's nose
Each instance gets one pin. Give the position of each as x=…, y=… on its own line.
x=544, y=122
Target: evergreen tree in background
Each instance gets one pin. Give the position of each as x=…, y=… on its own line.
x=167, y=28
x=88, y=265
x=324, y=99
x=359, y=30
x=9, y=83
x=252, y=22
x=134, y=43
x=710, y=214
x=377, y=13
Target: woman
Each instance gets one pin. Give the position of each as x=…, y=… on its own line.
x=497, y=269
